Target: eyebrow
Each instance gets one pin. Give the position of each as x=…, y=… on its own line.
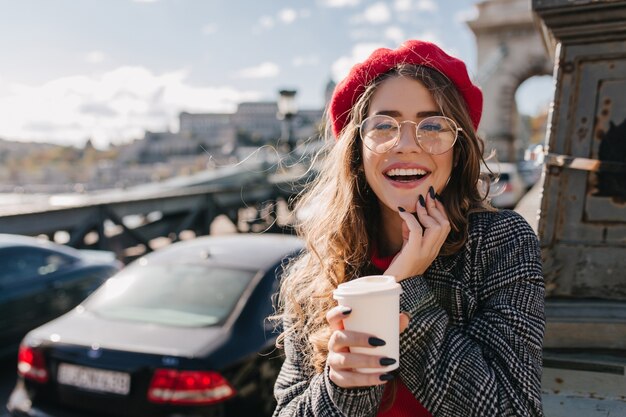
x=420, y=115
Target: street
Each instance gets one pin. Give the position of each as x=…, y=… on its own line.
x=7, y=381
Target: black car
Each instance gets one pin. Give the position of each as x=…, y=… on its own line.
x=40, y=280
x=179, y=332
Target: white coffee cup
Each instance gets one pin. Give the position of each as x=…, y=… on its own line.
x=375, y=304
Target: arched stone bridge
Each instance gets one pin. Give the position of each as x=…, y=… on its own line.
x=510, y=51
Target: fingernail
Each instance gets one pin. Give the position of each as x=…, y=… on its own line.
x=386, y=377
x=346, y=311
x=374, y=341
x=431, y=191
x=401, y=210
x=438, y=197
x=422, y=201
x=387, y=361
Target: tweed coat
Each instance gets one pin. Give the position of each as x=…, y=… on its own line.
x=473, y=346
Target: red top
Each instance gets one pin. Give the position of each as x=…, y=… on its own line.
x=404, y=404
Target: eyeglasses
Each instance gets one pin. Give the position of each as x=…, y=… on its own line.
x=435, y=134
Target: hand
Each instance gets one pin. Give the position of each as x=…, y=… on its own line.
x=342, y=362
x=420, y=245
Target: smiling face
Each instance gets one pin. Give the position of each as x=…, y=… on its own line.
x=400, y=175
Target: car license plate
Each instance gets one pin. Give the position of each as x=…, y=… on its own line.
x=94, y=379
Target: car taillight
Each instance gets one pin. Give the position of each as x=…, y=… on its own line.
x=169, y=386
x=31, y=364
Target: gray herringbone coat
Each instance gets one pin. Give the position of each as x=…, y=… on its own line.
x=473, y=346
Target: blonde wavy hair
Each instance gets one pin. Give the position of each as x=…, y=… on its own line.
x=343, y=216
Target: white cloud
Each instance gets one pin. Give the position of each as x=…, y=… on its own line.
x=112, y=107
x=433, y=37
x=339, y=3
x=3, y=87
x=359, y=53
x=287, y=16
x=395, y=34
x=402, y=5
x=95, y=57
x=430, y=36
x=264, y=70
x=364, y=33
x=209, y=28
x=305, y=60
x=376, y=14
x=426, y=6
x=267, y=22
x=466, y=15
x=419, y=5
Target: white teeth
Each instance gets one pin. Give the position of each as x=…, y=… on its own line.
x=405, y=172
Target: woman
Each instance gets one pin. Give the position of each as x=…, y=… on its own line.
x=400, y=194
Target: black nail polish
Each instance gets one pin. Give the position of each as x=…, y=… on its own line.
x=346, y=311
x=438, y=197
x=374, y=341
x=401, y=210
x=387, y=361
x=386, y=377
x=422, y=201
x=431, y=191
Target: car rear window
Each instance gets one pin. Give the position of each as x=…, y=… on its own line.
x=184, y=295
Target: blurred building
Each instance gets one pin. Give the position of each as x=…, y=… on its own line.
x=256, y=123
x=203, y=141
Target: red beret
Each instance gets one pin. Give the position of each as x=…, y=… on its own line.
x=382, y=60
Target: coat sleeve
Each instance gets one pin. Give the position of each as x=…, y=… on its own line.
x=491, y=365
x=299, y=394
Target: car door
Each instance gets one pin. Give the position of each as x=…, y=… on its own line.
x=27, y=290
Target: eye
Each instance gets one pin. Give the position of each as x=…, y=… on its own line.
x=432, y=126
x=385, y=125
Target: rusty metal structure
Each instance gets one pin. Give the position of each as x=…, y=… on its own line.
x=582, y=226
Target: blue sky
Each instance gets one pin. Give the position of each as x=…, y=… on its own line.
x=108, y=69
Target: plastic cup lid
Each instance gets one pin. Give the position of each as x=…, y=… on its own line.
x=370, y=285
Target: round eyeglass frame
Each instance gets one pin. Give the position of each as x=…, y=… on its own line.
x=395, y=141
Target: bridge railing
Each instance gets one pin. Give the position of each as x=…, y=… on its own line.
x=136, y=223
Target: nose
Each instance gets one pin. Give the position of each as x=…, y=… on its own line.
x=407, y=142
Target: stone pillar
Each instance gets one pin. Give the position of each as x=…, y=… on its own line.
x=509, y=52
